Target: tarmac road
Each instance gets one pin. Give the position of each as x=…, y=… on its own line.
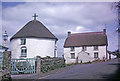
x=104, y=70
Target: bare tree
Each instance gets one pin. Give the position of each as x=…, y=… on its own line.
x=117, y=6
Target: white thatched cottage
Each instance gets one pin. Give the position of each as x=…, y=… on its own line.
x=85, y=47
x=34, y=39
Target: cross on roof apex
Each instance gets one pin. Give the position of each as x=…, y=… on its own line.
x=35, y=16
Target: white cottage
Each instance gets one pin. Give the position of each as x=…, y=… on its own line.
x=85, y=47
x=34, y=39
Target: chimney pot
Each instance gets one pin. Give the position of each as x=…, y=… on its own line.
x=69, y=33
x=104, y=30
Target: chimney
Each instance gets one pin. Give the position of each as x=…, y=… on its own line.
x=69, y=33
x=104, y=30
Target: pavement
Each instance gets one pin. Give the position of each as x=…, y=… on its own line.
x=102, y=70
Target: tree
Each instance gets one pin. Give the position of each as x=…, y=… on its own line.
x=116, y=53
x=117, y=6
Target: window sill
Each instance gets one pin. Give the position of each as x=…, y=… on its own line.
x=95, y=50
x=72, y=58
x=72, y=51
x=23, y=56
x=22, y=44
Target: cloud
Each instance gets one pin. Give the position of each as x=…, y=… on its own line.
x=59, y=18
x=100, y=27
x=82, y=29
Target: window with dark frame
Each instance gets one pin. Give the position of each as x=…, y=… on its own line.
x=84, y=48
x=23, y=52
x=95, y=47
x=72, y=55
x=96, y=55
x=23, y=41
x=72, y=48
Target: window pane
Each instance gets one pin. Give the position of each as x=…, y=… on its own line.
x=23, y=52
x=96, y=55
x=23, y=41
x=72, y=49
x=84, y=48
x=95, y=47
x=72, y=55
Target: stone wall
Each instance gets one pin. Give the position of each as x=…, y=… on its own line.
x=6, y=69
x=46, y=64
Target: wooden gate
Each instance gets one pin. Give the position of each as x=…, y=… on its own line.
x=23, y=66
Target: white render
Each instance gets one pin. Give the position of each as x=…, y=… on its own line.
x=111, y=56
x=83, y=57
x=90, y=49
x=35, y=47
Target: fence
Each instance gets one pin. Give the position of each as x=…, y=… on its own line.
x=47, y=64
x=23, y=66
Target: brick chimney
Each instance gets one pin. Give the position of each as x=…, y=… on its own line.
x=69, y=33
x=104, y=30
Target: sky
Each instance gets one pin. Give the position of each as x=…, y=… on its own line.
x=61, y=17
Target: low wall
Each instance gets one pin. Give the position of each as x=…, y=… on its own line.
x=47, y=64
x=6, y=68
x=0, y=75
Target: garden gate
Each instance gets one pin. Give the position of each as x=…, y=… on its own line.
x=23, y=66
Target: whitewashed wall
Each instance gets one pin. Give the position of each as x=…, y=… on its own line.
x=112, y=56
x=90, y=50
x=83, y=57
x=35, y=47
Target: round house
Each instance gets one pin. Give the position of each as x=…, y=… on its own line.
x=32, y=40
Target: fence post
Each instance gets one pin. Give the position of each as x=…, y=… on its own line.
x=7, y=65
x=38, y=70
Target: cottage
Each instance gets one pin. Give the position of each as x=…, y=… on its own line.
x=34, y=39
x=85, y=47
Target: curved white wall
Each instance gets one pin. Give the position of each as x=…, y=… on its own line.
x=35, y=47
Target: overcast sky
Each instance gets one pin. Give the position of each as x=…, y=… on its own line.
x=61, y=17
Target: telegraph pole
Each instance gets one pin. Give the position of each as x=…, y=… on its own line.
x=118, y=30
x=5, y=37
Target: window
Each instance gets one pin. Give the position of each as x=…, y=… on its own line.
x=23, y=52
x=96, y=55
x=84, y=48
x=72, y=48
x=95, y=47
x=23, y=41
x=72, y=55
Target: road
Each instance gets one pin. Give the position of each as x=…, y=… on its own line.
x=102, y=70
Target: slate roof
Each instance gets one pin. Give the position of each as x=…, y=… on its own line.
x=34, y=29
x=86, y=39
